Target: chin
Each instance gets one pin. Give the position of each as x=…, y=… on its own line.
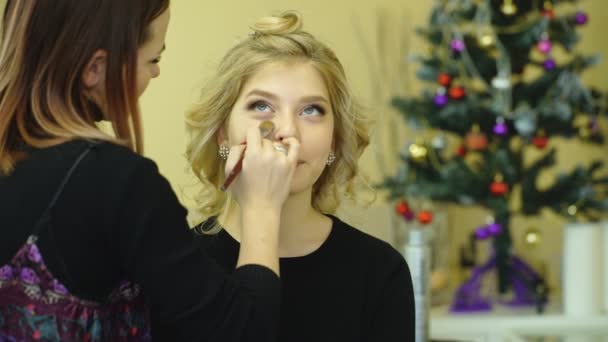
x=302, y=180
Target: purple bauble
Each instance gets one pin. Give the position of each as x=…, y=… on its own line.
x=440, y=100
x=457, y=45
x=501, y=129
x=549, y=64
x=581, y=18
x=482, y=233
x=544, y=46
x=409, y=216
x=494, y=229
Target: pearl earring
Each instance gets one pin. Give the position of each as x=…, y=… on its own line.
x=331, y=158
x=224, y=151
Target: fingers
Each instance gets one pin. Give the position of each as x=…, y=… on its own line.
x=279, y=147
x=293, y=150
x=254, y=139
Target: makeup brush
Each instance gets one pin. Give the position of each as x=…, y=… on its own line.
x=266, y=127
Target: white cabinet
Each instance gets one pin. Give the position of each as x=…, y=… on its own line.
x=517, y=325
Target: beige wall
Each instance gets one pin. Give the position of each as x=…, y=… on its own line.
x=201, y=32
x=199, y=35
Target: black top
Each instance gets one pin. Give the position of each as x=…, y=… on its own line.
x=118, y=219
x=353, y=288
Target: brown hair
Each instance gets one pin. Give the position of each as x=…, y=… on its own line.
x=45, y=47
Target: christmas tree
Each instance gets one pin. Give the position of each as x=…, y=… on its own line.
x=480, y=90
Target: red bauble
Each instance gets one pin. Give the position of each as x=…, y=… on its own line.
x=499, y=188
x=476, y=140
x=444, y=79
x=540, y=141
x=457, y=93
x=461, y=151
x=425, y=217
x=548, y=13
x=402, y=208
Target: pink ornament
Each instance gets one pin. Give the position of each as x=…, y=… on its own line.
x=581, y=18
x=409, y=216
x=457, y=45
x=544, y=46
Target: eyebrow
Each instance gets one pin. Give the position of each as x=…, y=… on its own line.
x=163, y=49
x=313, y=98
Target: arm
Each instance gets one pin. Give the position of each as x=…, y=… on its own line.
x=187, y=291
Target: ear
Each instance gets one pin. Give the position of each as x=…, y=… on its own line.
x=94, y=73
x=220, y=135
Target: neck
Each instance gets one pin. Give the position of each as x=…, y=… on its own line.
x=302, y=228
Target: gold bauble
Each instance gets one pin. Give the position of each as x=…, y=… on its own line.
x=532, y=237
x=508, y=8
x=516, y=143
x=486, y=40
x=474, y=161
x=418, y=152
x=572, y=210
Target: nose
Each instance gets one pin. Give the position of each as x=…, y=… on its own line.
x=286, y=127
x=155, y=71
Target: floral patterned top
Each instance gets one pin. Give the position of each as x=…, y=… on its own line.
x=36, y=306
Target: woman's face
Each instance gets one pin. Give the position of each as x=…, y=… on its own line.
x=295, y=98
x=149, y=53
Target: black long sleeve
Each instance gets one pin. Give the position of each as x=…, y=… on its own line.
x=393, y=317
x=118, y=218
x=186, y=287
x=353, y=288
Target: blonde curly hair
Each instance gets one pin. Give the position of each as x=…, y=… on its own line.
x=275, y=38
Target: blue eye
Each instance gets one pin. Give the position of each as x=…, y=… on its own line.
x=259, y=106
x=262, y=107
x=313, y=110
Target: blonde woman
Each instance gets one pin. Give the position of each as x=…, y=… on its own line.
x=339, y=284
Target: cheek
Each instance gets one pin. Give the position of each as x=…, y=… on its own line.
x=237, y=132
x=318, y=143
x=315, y=154
x=238, y=126
x=155, y=71
x=142, y=83
x=144, y=74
